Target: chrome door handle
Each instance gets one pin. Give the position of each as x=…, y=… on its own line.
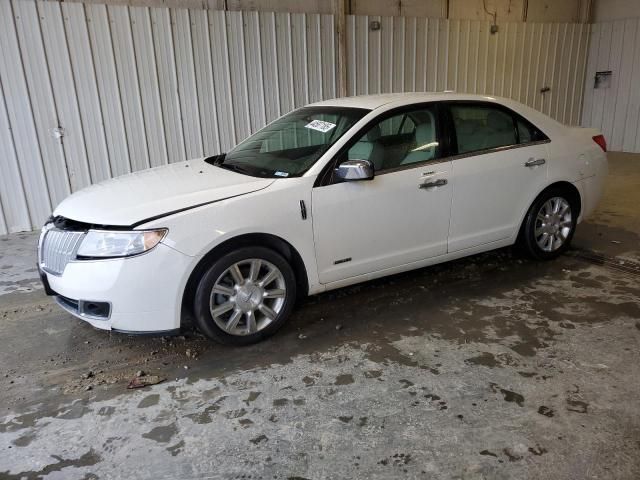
x=438, y=183
x=535, y=162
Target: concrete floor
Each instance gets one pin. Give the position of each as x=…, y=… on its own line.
x=489, y=367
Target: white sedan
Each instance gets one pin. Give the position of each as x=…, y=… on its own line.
x=332, y=194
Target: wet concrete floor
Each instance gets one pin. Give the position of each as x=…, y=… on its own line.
x=493, y=366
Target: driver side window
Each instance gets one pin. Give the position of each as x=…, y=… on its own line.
x=399, y=140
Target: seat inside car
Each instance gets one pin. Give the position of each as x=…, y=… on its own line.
x=425, y=144
x=368, y=148
x=499, y=130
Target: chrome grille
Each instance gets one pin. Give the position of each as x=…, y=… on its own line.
x=58, y=247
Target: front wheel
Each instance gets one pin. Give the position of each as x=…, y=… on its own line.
x=550, y=224
x=245, y=296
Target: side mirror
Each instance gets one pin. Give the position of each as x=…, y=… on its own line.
x=354, y=170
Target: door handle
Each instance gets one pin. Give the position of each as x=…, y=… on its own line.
x=438, y=183
x=535, y=162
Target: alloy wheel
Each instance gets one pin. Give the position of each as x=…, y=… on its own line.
x=248, y=296
x=553, y=225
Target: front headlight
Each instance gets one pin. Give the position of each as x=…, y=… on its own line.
x=112, y=244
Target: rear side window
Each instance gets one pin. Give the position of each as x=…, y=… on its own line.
x=482, y=127
x=527, y=133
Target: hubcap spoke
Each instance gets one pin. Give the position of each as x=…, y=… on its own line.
x=236, y=274
x=269, y=277
x=233, y=320
x=251, y=322
x=275, y=293
x=220, y=309
x=267, y=311
x=255, y=269
x=223, y=290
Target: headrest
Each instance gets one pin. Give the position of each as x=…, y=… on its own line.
x=372, y=135
x=424, y=133
x=499, y=121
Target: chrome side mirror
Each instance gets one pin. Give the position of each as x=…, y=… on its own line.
x=354, y=170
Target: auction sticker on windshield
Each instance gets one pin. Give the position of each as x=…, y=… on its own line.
x=320, y=125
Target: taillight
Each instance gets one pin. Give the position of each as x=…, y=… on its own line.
x=600, y=140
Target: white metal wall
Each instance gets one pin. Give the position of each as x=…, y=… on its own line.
x=135, y=87
x=418, y=54
x=615, y=46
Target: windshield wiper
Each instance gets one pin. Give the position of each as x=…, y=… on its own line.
x=215, y=159
x=234, y=167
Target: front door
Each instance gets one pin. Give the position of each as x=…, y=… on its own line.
x=399, y=217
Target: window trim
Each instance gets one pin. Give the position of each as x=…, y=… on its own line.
x=323, y=179
x=515, y=116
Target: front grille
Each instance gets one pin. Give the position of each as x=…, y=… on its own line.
x=58, y=248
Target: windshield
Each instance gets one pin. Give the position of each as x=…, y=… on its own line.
x=289, y=146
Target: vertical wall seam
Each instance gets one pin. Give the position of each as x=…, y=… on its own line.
x=177, y=97
x=195, y=83
x=566, y=88
x=121, y=109
x=577, y=79
x=74, y=89
x=260, y=69
x=15, y=155
x=99, y=99
x=636, y=45
x=292, y=78
x=234, y=133
x=213, y=82
x=137, y=75
x=275, y=64
x=31, y=214
x=152, y=42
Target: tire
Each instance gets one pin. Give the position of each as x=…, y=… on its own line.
x=550, y=223
x=245, y=296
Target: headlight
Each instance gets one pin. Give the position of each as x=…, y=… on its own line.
x=111, y=244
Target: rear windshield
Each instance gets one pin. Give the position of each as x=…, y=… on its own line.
x=289, y=146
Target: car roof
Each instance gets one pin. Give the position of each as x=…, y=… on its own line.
x=371, y=102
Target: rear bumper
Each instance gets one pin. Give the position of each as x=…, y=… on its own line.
x=590, y=192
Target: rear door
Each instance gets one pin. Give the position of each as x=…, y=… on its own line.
x=499, y=165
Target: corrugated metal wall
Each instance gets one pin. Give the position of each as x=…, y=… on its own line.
x=132, y=87
x=615, y=110
x=418, y=54
x=136, y=87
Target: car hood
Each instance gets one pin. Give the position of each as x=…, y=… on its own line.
x=147, y=194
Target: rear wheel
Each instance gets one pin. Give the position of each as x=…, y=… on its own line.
x=550, y=224
x=245, y=296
